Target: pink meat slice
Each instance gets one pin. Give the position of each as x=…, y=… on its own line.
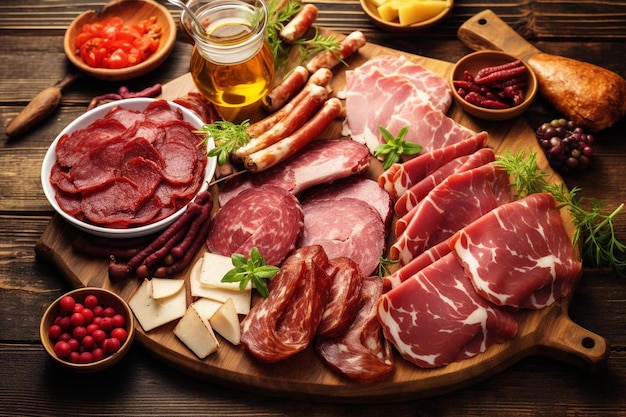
x=320, y=162
x=419, y=191
x=285, y=322
x=452, y=205
x=267, y=217
x=343, y=298
x=357, y=187
x=519, y=254
x=436, y=317
x=362, y=353
x=417, y=264
x=345, y=227
x=402, y=176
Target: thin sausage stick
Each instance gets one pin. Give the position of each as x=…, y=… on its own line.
x=329, y=59
x=286, y=89
x=299, y=24
x=287, y=147
x=301, y=113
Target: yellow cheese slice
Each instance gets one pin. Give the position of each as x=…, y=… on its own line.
x=225, y=321
x=196, y=334
x=214, y=267
x=165, y=287
x=419, y=11
x=151, y=313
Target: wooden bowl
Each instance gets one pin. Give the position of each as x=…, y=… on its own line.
x=130, y=11
x=481, y=59
x=106, y=298
x=372, y=11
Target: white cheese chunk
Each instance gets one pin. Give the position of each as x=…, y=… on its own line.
x=214, y=267
x=196, y=334
x=165, y=287
x=225, y=321
x=206, y=307
x=241, y=299
x=151, y=313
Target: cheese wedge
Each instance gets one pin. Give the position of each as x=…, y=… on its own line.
x=151, y=313
x=419, y=11
x=206, y=307
x=196, y=334
x=225, y=321
x=214, y=267
x=165, y=287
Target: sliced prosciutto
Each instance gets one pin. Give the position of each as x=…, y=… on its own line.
x=266, y=217
x=285, y=322
x=436, y=317
x=416, y=264
x=320, y=162
x=519, y=255
x=455, y=203
x=393, y=92
x=400, y=177
x=345, y=227
x=362, y=353
x=416, y=193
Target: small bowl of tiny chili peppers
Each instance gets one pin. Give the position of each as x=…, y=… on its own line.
x=88, y=329
x=493, y=85
x=124, y=40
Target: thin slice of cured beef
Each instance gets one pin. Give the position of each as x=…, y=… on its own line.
x=416, y=264
x=197, y=103
x=436, y=317
x=345, y=227
x=73, y=147
x=519, y=255
x=362, y=353
x=452, y=205
x=357, y=187
x=402, y=176
x=320, y=162
x=285, y=322
x=343, y=299
x=419, y=191
x=267, y=217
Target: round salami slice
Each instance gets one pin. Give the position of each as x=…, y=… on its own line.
x=345, y=227
x=267, y=217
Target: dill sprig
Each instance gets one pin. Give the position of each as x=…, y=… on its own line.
x=593, y=227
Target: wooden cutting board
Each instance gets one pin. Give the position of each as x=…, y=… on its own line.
x=548, y=332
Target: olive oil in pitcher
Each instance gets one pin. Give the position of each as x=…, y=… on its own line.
x=232, y=64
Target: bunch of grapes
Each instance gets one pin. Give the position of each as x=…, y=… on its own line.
x=566, y=145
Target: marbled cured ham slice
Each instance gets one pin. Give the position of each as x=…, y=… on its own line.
x=267, y=217
x=458, y=201
x=402, y=176
x=436, y=317
x=519, y=254
x=416, y=193
x=417, y=264
x=362, y=353
x=320, y=162
x=285, y=322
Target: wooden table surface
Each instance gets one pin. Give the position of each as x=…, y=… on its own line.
x=32, y=58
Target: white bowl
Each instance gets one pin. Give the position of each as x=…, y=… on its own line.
x=137, y=104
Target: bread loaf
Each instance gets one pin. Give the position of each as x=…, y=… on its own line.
x=591, y=96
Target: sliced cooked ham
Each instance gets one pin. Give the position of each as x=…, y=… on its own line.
x=519, y=254
x=320, y=162
x=436, y=317
x=345, y=227
x=458, y=201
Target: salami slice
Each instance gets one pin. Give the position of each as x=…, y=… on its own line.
x=285, y=322
x=362, y=353
x=267, y=217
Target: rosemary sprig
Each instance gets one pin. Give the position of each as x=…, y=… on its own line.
x=252, y=270
x=227, y=136
x=277, y=18
x=383, y=265
x=593, y=227
x=395, y=147
x=318, y=44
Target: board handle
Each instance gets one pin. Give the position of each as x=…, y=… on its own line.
x=566, y=341
x=486, y=30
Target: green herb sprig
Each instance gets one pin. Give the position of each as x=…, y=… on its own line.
x=593, y=227
x=317, y=44
x=383, y=265
x=277, y=18
x=395, y=147
x=253, y=269
x=227, y=136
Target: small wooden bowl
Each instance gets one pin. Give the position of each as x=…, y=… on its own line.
x=481, y=59
x=130, y=11
x=106, y=298
x=371, y=10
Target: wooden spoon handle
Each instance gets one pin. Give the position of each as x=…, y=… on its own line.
x=486, y=30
